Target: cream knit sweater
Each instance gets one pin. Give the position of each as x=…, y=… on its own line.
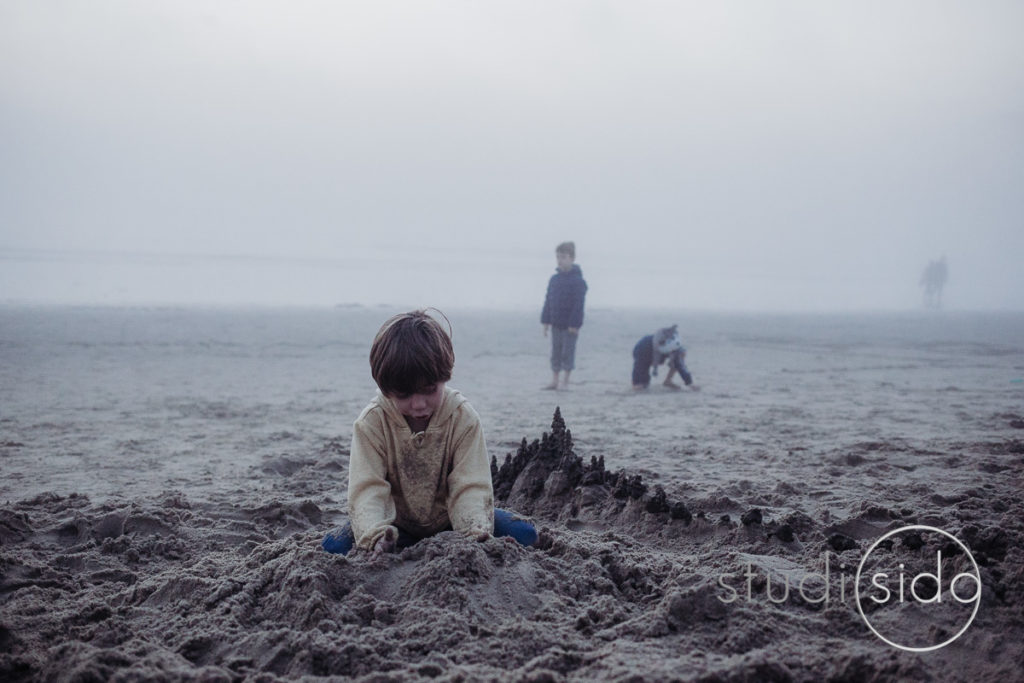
x=421, y=482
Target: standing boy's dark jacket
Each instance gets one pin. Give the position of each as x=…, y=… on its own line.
x=563, y=305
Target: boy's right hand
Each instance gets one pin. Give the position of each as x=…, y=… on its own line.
x=384, y=545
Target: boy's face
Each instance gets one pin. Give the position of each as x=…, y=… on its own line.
x=564, y=261
x=422, y=404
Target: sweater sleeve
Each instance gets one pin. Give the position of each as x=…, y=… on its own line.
x=470, y=492
x=370, y=504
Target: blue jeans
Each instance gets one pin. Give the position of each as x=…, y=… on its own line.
x=341, y=540
x=563, y=349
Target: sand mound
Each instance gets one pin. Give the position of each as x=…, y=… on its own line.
x=626, y=578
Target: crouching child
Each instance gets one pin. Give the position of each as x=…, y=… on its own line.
x=655, y=349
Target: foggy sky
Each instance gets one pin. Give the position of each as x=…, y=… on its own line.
x=734, y=155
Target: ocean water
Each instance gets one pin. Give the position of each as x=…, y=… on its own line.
x=131, y=401
x=510, y=277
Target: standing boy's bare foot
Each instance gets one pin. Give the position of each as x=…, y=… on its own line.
x=671, y=385
x=550, y=387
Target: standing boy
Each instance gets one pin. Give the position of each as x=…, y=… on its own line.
x=418, y=464
x=563, y=313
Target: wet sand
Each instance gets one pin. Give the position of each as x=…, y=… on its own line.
x=168, y=474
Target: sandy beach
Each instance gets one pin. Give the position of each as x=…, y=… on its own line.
x=168, y=473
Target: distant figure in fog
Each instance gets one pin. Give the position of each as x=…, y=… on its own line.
x=563, y=313
x=933, y=280
x=653, y=350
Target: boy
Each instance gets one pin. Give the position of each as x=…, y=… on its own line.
x=563, y=313
x=418, y=464
x=653, y=350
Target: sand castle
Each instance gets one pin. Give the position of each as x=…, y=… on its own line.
x=547, y=479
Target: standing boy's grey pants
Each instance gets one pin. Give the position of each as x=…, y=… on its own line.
x=563, y=349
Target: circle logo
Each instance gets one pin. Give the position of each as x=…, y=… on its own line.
x=907, y=603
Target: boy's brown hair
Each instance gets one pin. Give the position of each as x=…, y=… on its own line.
x=567, y=248
x=410, y=352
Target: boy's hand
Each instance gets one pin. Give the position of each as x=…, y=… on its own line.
x=546, y=330
x=384, y=545
x=574, y=330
